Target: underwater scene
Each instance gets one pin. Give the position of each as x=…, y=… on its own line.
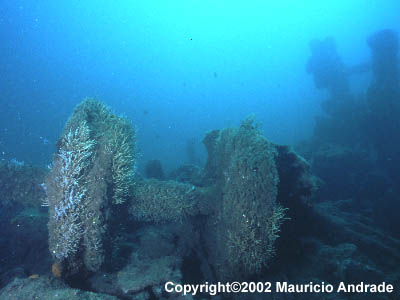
x=200, y=150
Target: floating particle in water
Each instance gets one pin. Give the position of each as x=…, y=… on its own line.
x=44, y=140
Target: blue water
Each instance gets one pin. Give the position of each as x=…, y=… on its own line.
x=176, y=68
